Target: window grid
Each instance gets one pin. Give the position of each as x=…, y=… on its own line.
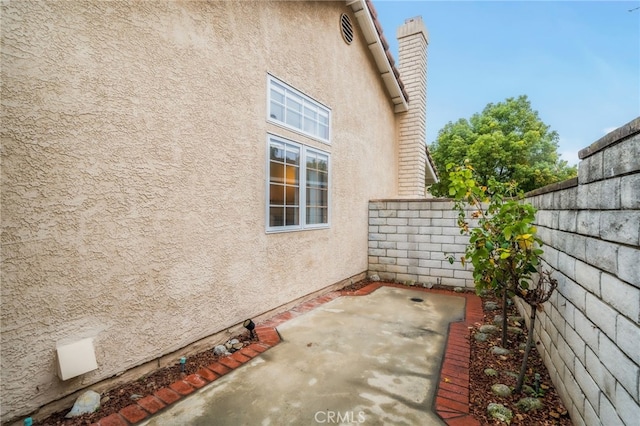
x=293, y=109
x=298, y=186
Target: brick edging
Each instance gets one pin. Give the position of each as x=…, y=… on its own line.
x=452, y=403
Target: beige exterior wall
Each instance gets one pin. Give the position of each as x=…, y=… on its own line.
x=133, y=175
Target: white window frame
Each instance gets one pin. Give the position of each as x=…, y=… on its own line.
x=302, y=185
x=308, y=107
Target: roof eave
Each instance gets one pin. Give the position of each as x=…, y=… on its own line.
x=385, y=67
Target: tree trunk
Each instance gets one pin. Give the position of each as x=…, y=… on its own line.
x=523, y=368
x=504, y=318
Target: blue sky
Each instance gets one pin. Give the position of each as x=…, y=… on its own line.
x=577, y=61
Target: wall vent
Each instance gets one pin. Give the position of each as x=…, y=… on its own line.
x=347, y=28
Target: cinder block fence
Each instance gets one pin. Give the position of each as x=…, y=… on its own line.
x=589, y=332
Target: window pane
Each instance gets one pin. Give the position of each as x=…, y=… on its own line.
x=310, y=111
x=322, y=163
x=316, y=215
x=323, y=131
x=292, y=195
x=294, y=119
x=276, y=194
x=294, y=102
x=276, y=216
x=323, y=179
x=277, y=96
x=317, y=197
x=323, y=117
x=276, y=172
x=292, y=216
x=277, y=112
x=277, y=152
x=292, y=175
x=312, y=179
x=310, y=126
x=293, y=155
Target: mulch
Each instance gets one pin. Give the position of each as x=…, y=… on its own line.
x=480, y=395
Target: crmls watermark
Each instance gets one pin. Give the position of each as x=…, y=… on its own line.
x=338, y=417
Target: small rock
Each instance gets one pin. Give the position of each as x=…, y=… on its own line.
x=497, y=350
x=136, y=396
x=497, y=320
x=522, y=346
x=228, y=346
x=458, y=289
x=528, y=389
x=501, y=390
x=511, y=374
x=234, y=341
x=514, y=330
x=529, y=404
x=516, y=319
x=490, y=372
x=427, y=285
x=481, y=337
x=238, y=345
x=220, y=350
x=500, y=412
x=491, y=306
x=410, y=283
x=104, y=400
x=86, y=403
x=488, y=328
x=375, y=277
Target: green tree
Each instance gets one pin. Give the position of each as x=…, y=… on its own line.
x=506, y=142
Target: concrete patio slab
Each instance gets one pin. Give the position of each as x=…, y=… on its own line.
x=370, y=360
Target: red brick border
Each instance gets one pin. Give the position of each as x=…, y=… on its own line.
x=452, y=397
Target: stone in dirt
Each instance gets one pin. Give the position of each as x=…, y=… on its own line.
x=497, y=320
x=374, y=277
x=220, y=350
x=481, y=337
x=490, y=372
x=488, y=328
x=86, y=403
x=514, y=330
x=491, y=306
x=529, y=404
x=500, y=412
x=497, y=350
x=501, y=390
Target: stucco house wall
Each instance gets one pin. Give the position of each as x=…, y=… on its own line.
x=134, y=145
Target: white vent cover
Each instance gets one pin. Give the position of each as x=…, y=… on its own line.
x=76, y=358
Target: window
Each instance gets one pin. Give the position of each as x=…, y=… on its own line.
x=294, y=110
x=298, y=187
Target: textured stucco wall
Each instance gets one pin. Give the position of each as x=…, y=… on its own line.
x=133, y=175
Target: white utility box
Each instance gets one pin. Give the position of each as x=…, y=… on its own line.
x=76, y=358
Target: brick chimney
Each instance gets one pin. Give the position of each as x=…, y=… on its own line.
x=412, y=46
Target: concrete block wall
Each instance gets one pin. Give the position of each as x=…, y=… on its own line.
x=589, y=333
x=409, y=241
